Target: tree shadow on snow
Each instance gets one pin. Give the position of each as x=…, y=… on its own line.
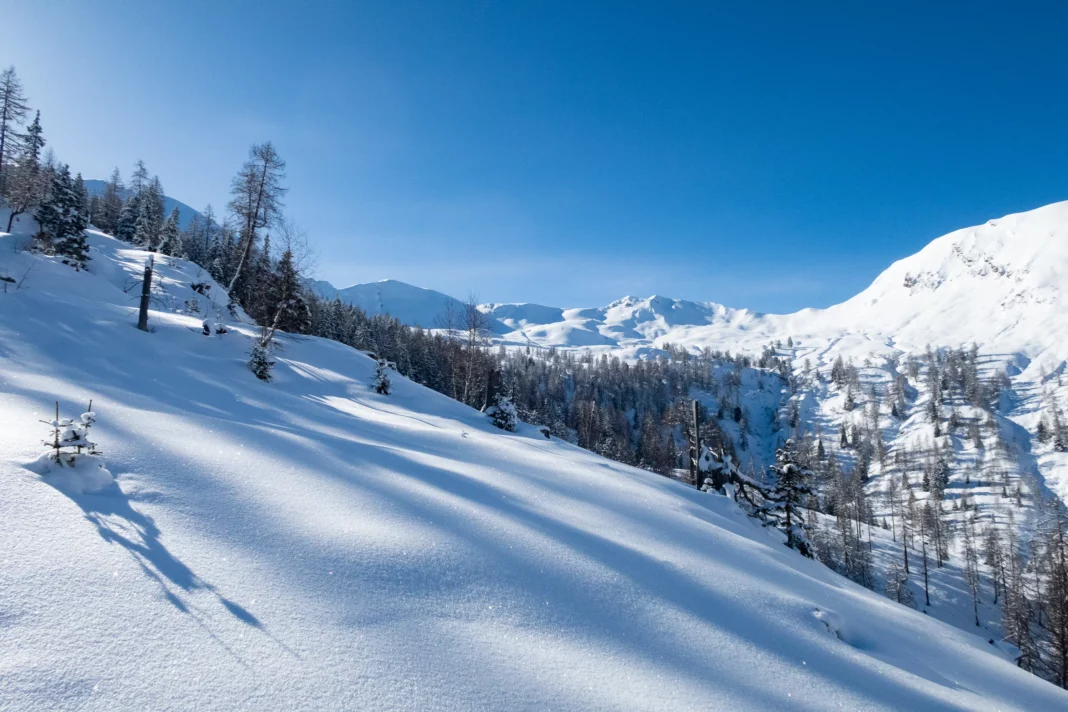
x=118, y=522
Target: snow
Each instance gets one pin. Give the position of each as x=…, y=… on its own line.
x=411, y=305
x=309, y=544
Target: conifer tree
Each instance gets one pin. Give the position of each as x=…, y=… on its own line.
x=126, y=227
x=170, y=236
x=111, y=203
x=13, y=111
x=791, y=489
x=62, y=225
x=150, y=216
x=285, y=295
x=502, y=412
x=81, y=196
x=26, y=183
x=260, y=361
x=382, y=383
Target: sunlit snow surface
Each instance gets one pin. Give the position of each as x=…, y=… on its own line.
x=308, y=544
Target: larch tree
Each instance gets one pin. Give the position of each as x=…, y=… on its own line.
x=27, y=184
x=13, y=110
x=111, y=203
x=256, y=200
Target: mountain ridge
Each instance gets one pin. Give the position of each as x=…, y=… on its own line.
x=968, y=272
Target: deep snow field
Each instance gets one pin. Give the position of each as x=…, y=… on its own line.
x=308, y=544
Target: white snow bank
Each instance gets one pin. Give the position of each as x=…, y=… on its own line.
x=73, y=474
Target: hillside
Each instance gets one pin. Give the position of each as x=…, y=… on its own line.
x=308, y=544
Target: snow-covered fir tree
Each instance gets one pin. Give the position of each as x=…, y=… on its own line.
x=382, y=383
x=260, y=361
x=170, y=236
x=149, y=215
x=502, y=412
x=791, y=489
x=62, y=223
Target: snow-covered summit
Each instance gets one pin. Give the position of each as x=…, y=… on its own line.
x=1000, y=285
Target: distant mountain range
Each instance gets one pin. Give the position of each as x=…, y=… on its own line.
x=998, y=285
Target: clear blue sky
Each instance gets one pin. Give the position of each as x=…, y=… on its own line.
x=769, y=155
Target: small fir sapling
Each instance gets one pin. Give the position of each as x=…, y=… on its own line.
x=72, y=462
x=382, y=383
x=260, y=362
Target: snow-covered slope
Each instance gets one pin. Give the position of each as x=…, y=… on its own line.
x=414, y=306
x=308, y=544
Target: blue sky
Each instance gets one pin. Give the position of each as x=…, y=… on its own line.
x=774, y=156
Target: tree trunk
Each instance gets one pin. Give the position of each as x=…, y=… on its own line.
x=926, y=589
x=695, y=463
x=146, y=295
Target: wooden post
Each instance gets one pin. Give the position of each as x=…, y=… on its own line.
x=696, y=448
x=493, y=384
x=146, y=295
x=55, y=431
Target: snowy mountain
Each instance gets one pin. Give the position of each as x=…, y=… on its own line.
x=998, y=286
x=310, y=544
x=185, y=213
x=411, y=305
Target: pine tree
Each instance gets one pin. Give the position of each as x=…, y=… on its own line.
x=13, y=110
x=62, y=225
x=170, y=236
x=139, y=180
x=382, y=383
x=126, y=227
x=150, y=216
x=791, y=489
x=260, y=361
x=285, y=295
x=33, y=141
x=81, y=196
x=503, y=412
